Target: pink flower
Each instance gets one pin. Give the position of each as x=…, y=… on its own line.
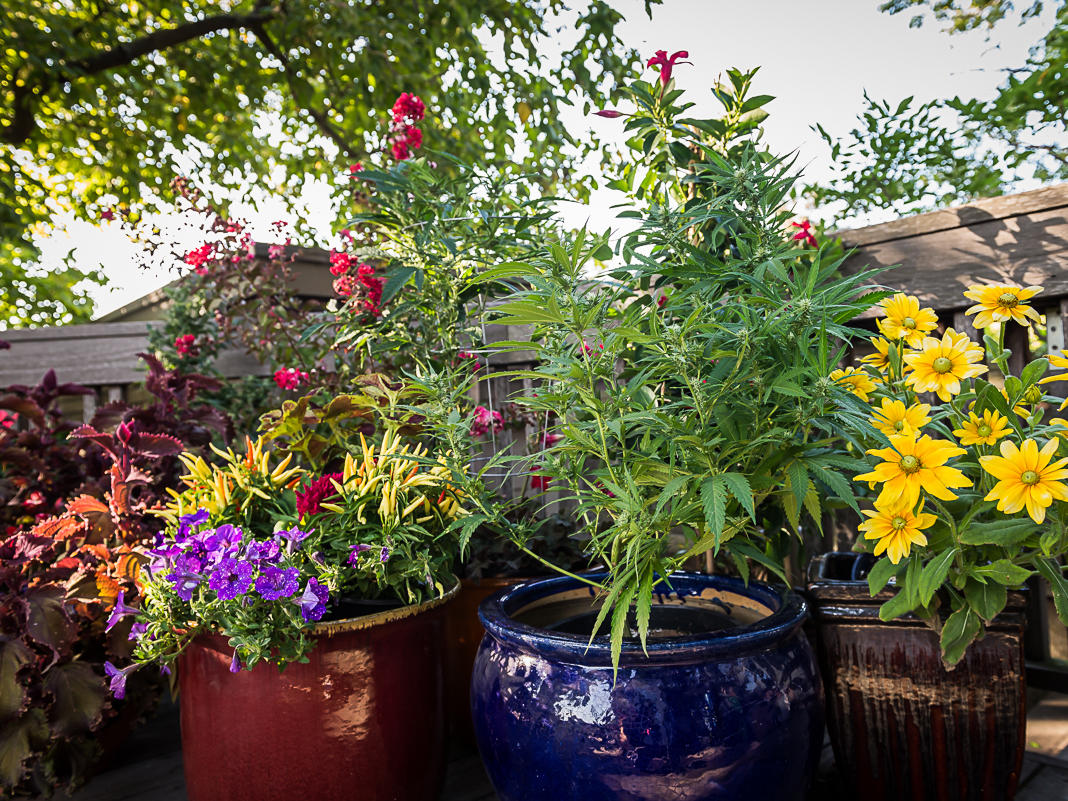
x=660, y=301
x=666, y=63
x=609, y=113
x=484, y=420
x=7, y=419
x=551, y=439
x=345, y=286
x=399, y=150
x=465, y=355
x=199, y=257
x=290, y=377
x=355, y=168
x=107, y=214
x=586, y=348
x=186, y=345
x=275, y=251
x=310, y=498
x=805, y=234
x=408, y=107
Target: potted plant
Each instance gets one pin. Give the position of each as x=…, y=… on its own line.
x=305, y=612
x=691, y=382
x=968, y=488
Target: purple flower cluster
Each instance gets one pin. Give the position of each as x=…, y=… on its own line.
x=221, y=559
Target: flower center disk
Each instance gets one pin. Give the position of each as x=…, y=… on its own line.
x=1029, y=477
x=942, y=365
x=1008, y=300
x=910, y=464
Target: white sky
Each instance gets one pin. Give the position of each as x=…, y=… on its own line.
x=817, y=57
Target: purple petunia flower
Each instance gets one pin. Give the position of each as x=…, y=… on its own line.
x=382, y=557
x=268, y=551
x=233, y=577
x=355, y=551
x=313, y=600
x=196, y=518
x=137, y=631
x=235, y=663
x=165, y=670
x=294, y=535
x=117, y=685
x=185, y=583
x=275, y=583
x=120, y=611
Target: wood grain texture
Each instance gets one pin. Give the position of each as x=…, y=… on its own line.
x=995, y=208
x=937, y=266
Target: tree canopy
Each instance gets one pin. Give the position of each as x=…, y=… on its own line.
x=103, y=103
x=910, y=157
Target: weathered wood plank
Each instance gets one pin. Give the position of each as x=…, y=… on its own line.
x=94, y=354
x=982, y=210
x=938, y=266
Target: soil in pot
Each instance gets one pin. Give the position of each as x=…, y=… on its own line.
x=726, y=704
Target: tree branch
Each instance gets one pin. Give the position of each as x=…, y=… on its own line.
x=321, y=120
x=23, y=122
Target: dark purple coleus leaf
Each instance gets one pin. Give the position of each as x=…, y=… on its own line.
x=79, y=697
x=47, y=620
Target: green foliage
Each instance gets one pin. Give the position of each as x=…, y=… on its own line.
x=34, y=297
x=908, y=157
x=101, y=105
x=645, y=359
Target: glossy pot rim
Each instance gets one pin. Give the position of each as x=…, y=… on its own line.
x=363, y=622
x=791, y=609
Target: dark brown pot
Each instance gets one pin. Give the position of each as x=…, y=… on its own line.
x=463, y=633
x=363, y=718
x=902, y=726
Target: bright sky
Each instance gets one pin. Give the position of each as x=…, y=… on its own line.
x=817, y=57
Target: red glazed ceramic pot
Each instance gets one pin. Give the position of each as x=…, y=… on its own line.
x=363, y=719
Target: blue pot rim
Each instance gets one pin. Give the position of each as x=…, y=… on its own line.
x=791, y=609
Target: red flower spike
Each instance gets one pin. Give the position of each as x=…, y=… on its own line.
x=805, y=234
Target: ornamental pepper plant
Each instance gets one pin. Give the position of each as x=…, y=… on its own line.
x=687, y=364
x=259, y=548
x=968, y=477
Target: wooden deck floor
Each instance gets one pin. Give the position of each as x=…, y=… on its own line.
x=151, y=766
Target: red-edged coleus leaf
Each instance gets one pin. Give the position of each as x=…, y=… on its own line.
x=47, y=621
x=31, y=546
x=24, y=407
x=155, y=445
x=110, y=414
x=19, y=739
x=101, y=438
x=87, y=505
x=14, y=656
x=79, y=698
x=59, y=528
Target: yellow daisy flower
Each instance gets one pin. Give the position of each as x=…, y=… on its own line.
x=906, y=320
x=894, y=417
x=856, y=381
x=910, y=465
x=1026, y=478
x=985, y=430
x=897, y=529
x=998, y=303
x=1057, y=360
x=880, y=360
x=943, y=363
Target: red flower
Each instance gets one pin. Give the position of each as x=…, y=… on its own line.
x=805, y=234
x=107, y=214
x=399, y=150
x=199, y=257
x=310, y=498
x=290, y=377
x=408, y=106
x=537, y=481
x=7, y=419
x=660, y=301
x=413, y=137
x=666, y=63
x=340, y=262
x=551, y=439
x=608, y=113
x=186, y=345
x=355, y=168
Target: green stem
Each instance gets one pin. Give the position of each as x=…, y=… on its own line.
x=560, y=570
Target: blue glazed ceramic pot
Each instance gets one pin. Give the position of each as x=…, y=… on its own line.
x=735, y=712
